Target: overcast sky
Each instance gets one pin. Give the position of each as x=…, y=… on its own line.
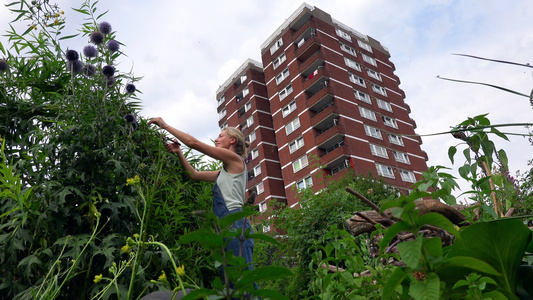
x=186, y=49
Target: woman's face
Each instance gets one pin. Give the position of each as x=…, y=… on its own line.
x=224, y=140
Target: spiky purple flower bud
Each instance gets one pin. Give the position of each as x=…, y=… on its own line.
x=90, y=51
x=134, y=124
x=130, y=118
x=74, y=66
x=113, y=45
x=72, y=55
x=110, y=81
x=108, y=71
x=130, y=88
x=97, y=38
x=105, y=28
x=3, y=65
x=89, y=70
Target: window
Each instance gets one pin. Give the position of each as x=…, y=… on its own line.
x=379, y=89
x=304, y=183
x=221, y=100
x=257, y=170
x=373, y=132
x=362, y=96
x=348, y=49
x=249, y=122
x=245, y=92
x=260, y=188
x=379, y=151
x=395, y=139
x=276, y=46
x=407, y=176
x=357, y=80
x=369, y=60
x=278, y=61
x=263, y=206
x=385, y=171
x=255, y=153
x=300, y=163
x=241, y=80
x=266, y=228
x=389, y=122
x=282, y=76
x=367, y=113
x=373, y=74
x=285, y=92
x=293, y=125
x=289, y=108
x=224, y=126
x=343, y=34
x=296, y=144
x=251, y=137
x=401, y=157
x=364, y=46
x=221, y=114
x=384, y=105
x=352, y=64
x=245, y=108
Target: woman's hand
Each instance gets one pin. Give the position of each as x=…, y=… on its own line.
x=173, y=147
x=158, y=121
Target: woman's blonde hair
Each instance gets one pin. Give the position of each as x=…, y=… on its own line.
x=241, y=146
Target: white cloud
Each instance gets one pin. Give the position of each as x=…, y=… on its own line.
x=186, y=49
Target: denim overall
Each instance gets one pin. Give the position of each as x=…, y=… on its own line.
x=221, y=210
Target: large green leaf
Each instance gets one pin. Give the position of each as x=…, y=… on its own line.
x=501, y=244
x=428, y=289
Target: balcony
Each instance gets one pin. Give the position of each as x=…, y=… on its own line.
x=318, y=80
x=335, y=157
x=328, y=129
x=312, y=63
x=309, y=46
x=318, y=100
x=325, y=115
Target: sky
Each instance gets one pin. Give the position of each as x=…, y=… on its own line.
x=185, y=50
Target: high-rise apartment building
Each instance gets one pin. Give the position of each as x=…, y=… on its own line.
x=325, y=98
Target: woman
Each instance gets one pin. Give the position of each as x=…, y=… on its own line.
x=230, y=182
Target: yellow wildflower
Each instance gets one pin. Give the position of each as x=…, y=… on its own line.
x=163, y=276
x=180, y=270
x=134, y=180
x=97, y=278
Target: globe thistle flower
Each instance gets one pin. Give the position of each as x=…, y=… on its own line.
x=105, y=28
x=72, y=55
x=130, y=88
x=3, y=65
x=134, y=124
x=108, y=71
x=90, y=51
x=89, y=70
x=113, y=45
x=110, y=81
x=97, y=38
x=130, y=118
x=75, y=66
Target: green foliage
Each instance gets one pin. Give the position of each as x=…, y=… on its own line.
x=312, y=221
x=66, y=205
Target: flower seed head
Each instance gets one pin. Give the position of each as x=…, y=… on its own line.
x=105, y=28
x=108, y=71
x=110, y=81
x=97, y=38
x=89, y=70
x=90, y=51
x=130, y=118
x=75, y=66
x=130, y=88
x=113, y=45
x=72, y=55
x=3, y=65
